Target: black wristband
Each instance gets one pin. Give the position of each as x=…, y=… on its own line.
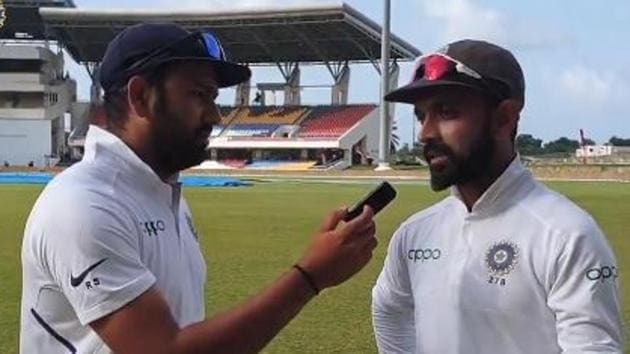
x=308, y=278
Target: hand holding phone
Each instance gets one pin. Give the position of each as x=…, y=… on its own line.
x=377, y=199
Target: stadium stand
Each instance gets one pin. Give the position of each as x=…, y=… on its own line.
x=320, y=137
x=332, y=121
x=317, y=121
x=227, y=114
x=292, y=136
x=286, y=115
x=217, y=130
x=280, y=165
x=296, y=166
x=212, y=165
x=234, y=163
x=250, y=130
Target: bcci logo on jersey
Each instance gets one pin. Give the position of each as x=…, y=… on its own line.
x=501, y=258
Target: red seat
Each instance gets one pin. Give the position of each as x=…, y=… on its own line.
x=333, y=121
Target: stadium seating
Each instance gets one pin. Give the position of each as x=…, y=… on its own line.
x=296, y=166
x=281, y=115
x=250, y=130
x=264, y=165
x=280, y=165
x=323, y=122
x=227, y=114
x=276, y=165
x=332, y=121
x=217, y=130
x=213, y=165
x=234, y=163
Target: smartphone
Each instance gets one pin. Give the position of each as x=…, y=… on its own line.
x=377, y=199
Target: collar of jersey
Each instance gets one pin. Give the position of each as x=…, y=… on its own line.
x=101, y=145
x=502, y=191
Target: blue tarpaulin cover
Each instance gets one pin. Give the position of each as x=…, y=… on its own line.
x=186, y=180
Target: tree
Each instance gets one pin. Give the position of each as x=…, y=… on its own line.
x=394, y=139
x=409, y=156
x=417, y=150
x=615, y=141
x=526, y=144
x=562, y=145
x=404, y=150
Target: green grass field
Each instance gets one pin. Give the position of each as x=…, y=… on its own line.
x=253, y=234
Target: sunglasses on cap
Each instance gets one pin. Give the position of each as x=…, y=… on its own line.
x=196, y=45
x=439, y=66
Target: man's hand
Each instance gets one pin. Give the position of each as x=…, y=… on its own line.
x=339, y=250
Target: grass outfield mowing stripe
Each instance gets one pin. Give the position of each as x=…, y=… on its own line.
x=244, y=256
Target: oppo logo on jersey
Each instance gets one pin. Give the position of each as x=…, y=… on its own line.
x=152, y=228
x=602, y=273
x=424, y=254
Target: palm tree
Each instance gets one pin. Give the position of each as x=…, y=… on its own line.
x=394, y=139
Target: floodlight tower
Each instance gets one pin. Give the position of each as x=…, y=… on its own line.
x=383, y=164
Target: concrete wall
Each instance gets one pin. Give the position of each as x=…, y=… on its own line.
x=372, y=127
x=22, y=113
x=21, y=82
x=22, y=51
x=19, y=100
x=65, y=92
x=355, y=134
x=22, y=141
x=79, y=115
x=33, y=101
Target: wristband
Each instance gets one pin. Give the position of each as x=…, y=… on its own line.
x=308, y=278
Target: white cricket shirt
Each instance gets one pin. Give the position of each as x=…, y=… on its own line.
x=101, y=233
x=526, y=271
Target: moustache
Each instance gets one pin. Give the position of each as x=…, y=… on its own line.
x=433, y=149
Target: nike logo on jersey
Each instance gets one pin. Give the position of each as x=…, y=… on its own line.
x=76, y=281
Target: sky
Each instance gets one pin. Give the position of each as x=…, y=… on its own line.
x=574, y=54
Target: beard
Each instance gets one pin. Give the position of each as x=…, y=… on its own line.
x=176, y=146
x=460, y=169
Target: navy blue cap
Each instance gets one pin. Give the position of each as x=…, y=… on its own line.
x=143, y=47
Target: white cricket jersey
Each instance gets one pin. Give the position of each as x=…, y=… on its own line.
x=102, y=233
x=526, y=271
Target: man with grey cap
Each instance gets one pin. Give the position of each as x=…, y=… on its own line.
x=111, y=259
x=503, y=264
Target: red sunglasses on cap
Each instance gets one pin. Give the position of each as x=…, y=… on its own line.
x=439, y=66
x=436, y=66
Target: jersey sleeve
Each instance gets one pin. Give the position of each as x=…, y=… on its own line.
x=392, y=302
x=91, y=251
x=584, y=295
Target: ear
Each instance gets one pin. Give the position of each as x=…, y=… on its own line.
x=506, y=117
x=138, y=96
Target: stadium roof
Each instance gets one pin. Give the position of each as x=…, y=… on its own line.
x=306, y=34
x=22, y=18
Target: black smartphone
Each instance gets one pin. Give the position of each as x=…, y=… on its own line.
x=377, y=199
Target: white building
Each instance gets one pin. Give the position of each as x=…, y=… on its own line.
x=601, y=151
x=34, y=97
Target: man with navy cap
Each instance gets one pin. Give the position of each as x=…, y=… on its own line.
x=502, y=265
x=111, y=259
